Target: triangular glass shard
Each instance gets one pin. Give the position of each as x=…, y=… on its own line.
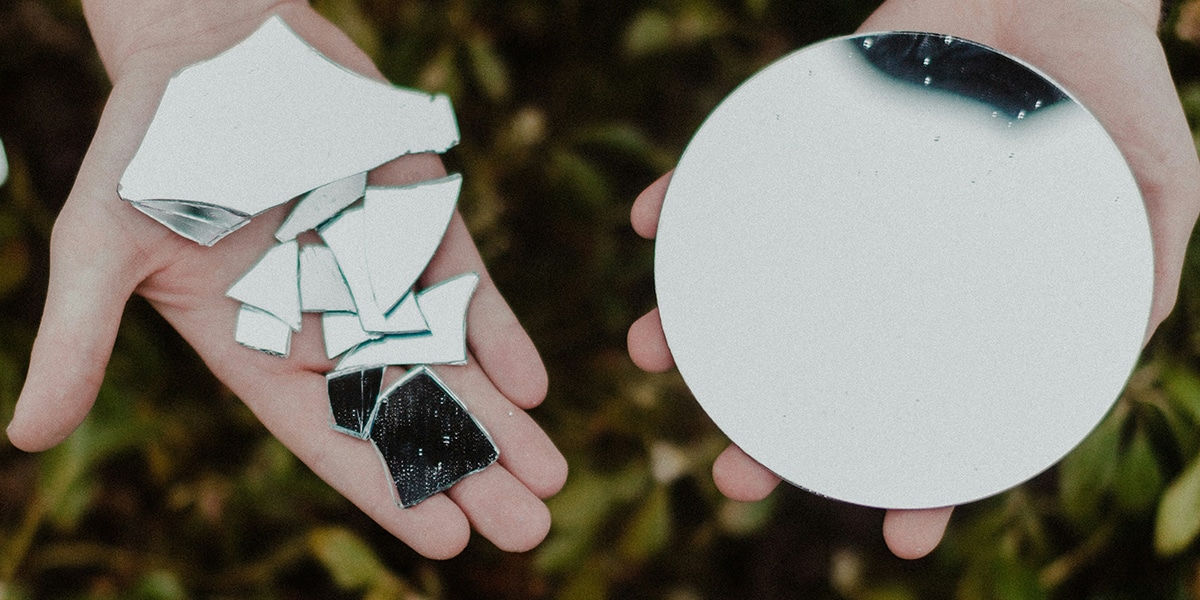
x=352, y=397
x=263, y=332
x=426, y=437
x=321, y=204
x=272, y=118
x=405, y=225
x=343, y=331
x=345, y=235
x=322, y=287
x=445, y=307
x=272, y=285
x=203, y=232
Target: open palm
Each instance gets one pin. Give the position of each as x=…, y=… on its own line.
x=1107, y=54
x=103, y=250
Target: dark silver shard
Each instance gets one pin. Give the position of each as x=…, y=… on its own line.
x=426, y=437
x=352, y=397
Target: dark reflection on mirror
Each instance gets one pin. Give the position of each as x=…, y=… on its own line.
x=960, y=67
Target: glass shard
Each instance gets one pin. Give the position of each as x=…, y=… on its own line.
x=272, y=285
x=346, y=236
x=3, y=164
x=321, y=204
x=322, y=287
x=272, y=118
x=405, y=225
x=262, y=331
x=426, y=437
x=445, y=307
x=352, y=396
x=343, y=331
x=203, y=232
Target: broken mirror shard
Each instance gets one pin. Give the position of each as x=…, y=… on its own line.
x=322, y=287
x=883, y=294
x=272, y=286
x=321, y=204
x=346, y=236
x=262, y=331
x=343, y=331
x=426, y=437
x=266, y=121
x=352, y=397
x=445, y=308
x=405, y=225
x=3, y=164
x=198, y=222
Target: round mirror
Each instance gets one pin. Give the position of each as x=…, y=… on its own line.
x=903, y=270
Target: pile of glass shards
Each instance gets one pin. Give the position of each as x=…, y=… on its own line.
x=272, y=120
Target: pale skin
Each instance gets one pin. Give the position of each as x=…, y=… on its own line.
x=1107, y=54
x=103, y=251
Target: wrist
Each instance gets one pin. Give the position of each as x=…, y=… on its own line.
x=172, y=34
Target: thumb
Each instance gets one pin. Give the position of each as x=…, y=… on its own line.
x=90, y=283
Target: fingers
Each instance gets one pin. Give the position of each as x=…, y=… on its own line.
x=912, y=534
x=501, y=509
x=495, y=337
x=645, y=211
x=648, y=345
x=741, y=478
x=86, y=296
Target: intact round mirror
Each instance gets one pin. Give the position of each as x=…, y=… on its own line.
x=903, y=270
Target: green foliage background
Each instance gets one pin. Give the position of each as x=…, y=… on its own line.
x=568, y=108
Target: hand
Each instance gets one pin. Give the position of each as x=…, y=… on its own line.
x=1107, y=54
x=103, y=250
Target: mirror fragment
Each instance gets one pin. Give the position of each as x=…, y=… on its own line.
x=3, y=164
x=426, y=437
x=322, y=287
x=272, y=284
x=404, y=226
x=352, y=397
x=346, y=237
x=263, y=331
x=271, y=119
x=343, y=331
x=321, y=204
x=445, y=307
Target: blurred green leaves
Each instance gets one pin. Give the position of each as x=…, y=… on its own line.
x=568, y=109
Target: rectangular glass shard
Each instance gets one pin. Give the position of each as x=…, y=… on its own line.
x=427, y=438
x=352, y=397
x=263, y=332
x=321, y=204
x=322, y=287
x=404, y=227
x=272, y=284
x=271, y=119
x=343, y=331
x=445, y=308
x=345, y=235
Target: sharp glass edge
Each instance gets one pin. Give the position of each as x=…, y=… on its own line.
x=252, y=128
x=445, y=306
x=322, y=286
x=262, y=331
x=321, y=204
x=353, y=395
x=3, y=164
x=272, y=284
x=344, y=236
x=404, y=227
x=343, y=331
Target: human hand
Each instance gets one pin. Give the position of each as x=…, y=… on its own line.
x=1108, y=56
x=103, y=250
